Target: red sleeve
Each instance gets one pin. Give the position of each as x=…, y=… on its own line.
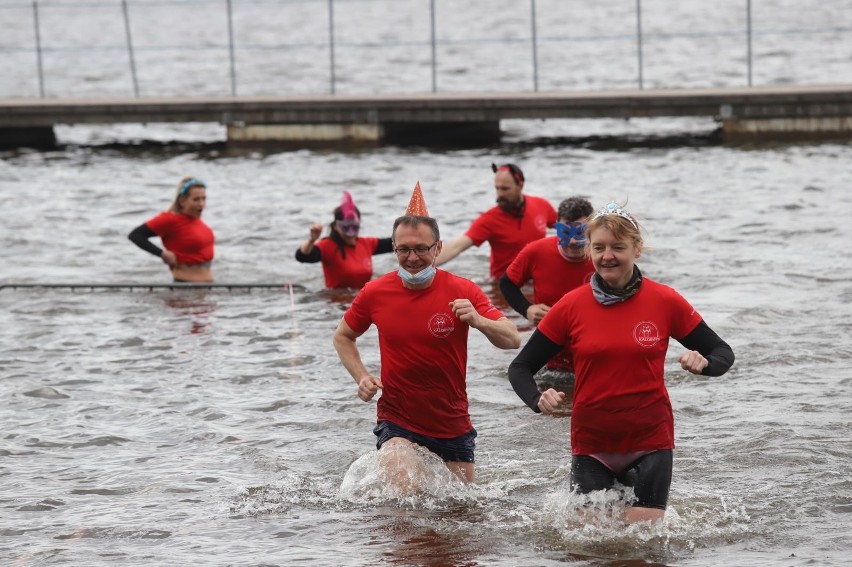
x=326, y=246
x=162, y=223
x=371, y=243
x=684, y=316
x=518, y=271
x=482, y=304
x=552, y=325
x=358, y=315
x=479, y=231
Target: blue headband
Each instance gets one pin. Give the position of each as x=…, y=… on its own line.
x=191, y=183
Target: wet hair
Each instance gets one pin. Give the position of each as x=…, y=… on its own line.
x=574, y=208
x=620, y=227
x=416, y=220
x=513, y=169
x=183, y=191
x=334, y=235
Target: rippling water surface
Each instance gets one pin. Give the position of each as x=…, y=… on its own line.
x=218, y=427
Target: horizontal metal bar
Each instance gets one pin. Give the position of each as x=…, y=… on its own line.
x=150, y=287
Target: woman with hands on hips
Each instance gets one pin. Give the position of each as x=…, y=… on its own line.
x=187, y=240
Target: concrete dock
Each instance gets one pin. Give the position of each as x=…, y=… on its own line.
x=466, y=118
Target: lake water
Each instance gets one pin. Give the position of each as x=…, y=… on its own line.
x=217, y=427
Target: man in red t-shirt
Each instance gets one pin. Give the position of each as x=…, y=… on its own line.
x=516, y=221
x=556, y=265
x=423, y=316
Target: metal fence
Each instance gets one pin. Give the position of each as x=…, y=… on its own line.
x=521, y=9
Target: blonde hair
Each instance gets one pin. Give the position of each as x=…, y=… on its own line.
x=184, y=187
x=622, y=225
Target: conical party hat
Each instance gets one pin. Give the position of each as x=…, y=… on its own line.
x=417, y=204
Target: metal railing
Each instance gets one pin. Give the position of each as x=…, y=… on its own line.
x=333, y=45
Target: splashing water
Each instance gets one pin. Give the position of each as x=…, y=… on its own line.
x=405, y=474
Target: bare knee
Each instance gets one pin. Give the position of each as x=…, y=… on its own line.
x=640, y=514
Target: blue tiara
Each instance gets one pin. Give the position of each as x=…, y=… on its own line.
x=614, y=209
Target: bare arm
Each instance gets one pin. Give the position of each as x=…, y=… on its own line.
x=453, y=249
x=501, y=333
x=347, y=350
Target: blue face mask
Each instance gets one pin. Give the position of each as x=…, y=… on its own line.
x=565, y=232
x=420, y=277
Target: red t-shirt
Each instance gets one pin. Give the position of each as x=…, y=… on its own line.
x=189, y=238
x=353, y=271
x=423, y=349
x=553, y=276
x=620, y=399
x=508, y=234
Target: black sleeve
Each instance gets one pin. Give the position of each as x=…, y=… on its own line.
x=514, y=296
x=384, y=246
x=313, y=257
x=535, y=354
x=140, y=235
x=718, y=353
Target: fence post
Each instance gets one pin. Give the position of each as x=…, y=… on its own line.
x=534, y=45
x=639, y=39
x=433, y=40
x=748, y=35
x=38, y=49
x=231, y=50
x=331, y=42
x=130, y=48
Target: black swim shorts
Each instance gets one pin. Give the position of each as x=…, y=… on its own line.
x=650, y=476
x=454, y=449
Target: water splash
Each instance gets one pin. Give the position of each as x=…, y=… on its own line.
x=406, y=475
x=593, y=524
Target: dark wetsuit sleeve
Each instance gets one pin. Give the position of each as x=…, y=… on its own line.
x=718, y=353
x=535, y=354
x=140, y=237
x=312, y=258
x=384, y=246
x=514, y=296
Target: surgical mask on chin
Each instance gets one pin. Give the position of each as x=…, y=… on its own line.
x=420, y=277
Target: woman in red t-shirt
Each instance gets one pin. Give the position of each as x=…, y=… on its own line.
x=187, y=240
x=618, y=329
x=347, y=259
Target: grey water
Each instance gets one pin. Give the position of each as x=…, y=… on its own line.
x=217, y=427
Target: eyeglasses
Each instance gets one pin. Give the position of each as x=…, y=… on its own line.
x=421, y=251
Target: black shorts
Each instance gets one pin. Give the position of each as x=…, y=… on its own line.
x=455, y=449
x=650, y=476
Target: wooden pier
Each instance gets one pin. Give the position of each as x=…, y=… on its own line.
x=444, y=118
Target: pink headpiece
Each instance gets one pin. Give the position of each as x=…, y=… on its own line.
x=347, y=207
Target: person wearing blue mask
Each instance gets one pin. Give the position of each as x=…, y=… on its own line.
x=556, y=265
x=423, y=316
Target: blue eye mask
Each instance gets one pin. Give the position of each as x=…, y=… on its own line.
x=566, y=232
